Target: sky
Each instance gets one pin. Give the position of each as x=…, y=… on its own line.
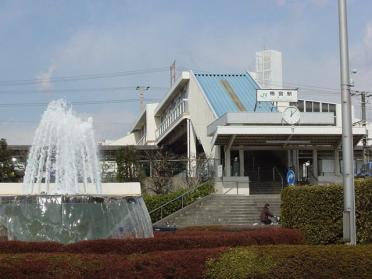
x=100, y=51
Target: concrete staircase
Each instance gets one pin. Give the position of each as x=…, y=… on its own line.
x=265, y=187
x=217, y=209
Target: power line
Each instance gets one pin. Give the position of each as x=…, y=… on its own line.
x=83, y=77
x=78, y=103
x=35, y=122
x=119, y=88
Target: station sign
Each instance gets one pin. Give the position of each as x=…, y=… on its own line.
x=277, y=95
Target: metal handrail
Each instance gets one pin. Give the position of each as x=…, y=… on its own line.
x=171, y=118
x=175, y=199
x=237, y=189
x=141, y=141
x=275, y=169
x=310, y=172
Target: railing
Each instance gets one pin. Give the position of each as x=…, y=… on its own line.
x=276, y=171
x=237, y=189
x=141, y=140
x=264, y=174
x=172, y=117
x=312, y=179
x=181, y=198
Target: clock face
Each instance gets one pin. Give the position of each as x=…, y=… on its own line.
x=291, y=115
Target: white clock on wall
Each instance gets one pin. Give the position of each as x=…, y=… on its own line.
x=291, y=115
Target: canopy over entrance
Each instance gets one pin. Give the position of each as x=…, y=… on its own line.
x=252, y=129
x=283, y=136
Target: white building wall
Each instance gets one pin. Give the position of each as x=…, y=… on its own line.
x=127, y=140
x=201, y=114
x=150, y=124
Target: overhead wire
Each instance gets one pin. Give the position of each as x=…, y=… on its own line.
x=79, y=90
x=82, y=77
x=90, y=102
x=2, y=122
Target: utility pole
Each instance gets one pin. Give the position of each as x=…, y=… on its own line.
x=141, y=91
x=349, y=224
x=364, y=123
x=172, y=69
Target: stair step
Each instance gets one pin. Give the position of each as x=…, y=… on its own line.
x=224, y=210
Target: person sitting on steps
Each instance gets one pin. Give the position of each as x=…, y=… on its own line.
x=265, y=214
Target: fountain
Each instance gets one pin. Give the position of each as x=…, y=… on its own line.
x=62, y=198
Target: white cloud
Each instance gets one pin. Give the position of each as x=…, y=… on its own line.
x=44, y=78
x=109, y=123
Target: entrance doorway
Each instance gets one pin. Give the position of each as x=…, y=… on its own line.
x=265, y=165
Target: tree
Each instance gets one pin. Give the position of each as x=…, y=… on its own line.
x=198, y=170
x=161, y=166
x=127, y=163
x=7, y=172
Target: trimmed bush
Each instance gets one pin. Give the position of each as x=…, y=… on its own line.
x=281, y=261
x=27, y=247
x=163, y=241
x=165, y=264
x=154, y=201
x=317, y=211
x=332, y=261
x=240, y=263
x=184, y=240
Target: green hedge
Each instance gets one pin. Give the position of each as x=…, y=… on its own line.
x=317, y=211
x=153, y=202
x=295, y=261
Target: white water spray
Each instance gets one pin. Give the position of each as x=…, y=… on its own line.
x=63, y=153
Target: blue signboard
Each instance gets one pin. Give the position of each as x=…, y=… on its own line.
x=291, y=177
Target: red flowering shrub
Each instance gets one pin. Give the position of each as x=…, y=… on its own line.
x=163, y=264
x=178, y=240
x=26, y=247
x=188, y=240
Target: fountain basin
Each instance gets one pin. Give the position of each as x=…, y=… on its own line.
x=71, y=218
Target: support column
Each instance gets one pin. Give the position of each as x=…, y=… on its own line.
x=315, y=163
x=290, y=164
x=191, y=149
x=227, y=156
x=296, y=164
x=337, y=162
x=217, y=158
x=241, y=161
x=227, y=161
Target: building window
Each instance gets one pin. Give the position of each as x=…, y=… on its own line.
x=267, y=75
x=316, y=107
x=309, y=106
x=300, y=105
x=332, y=108
x=324, y=107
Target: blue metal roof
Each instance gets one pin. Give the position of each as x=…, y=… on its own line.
x=231, y=93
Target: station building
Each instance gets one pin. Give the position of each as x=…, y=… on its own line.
x=252, y=144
